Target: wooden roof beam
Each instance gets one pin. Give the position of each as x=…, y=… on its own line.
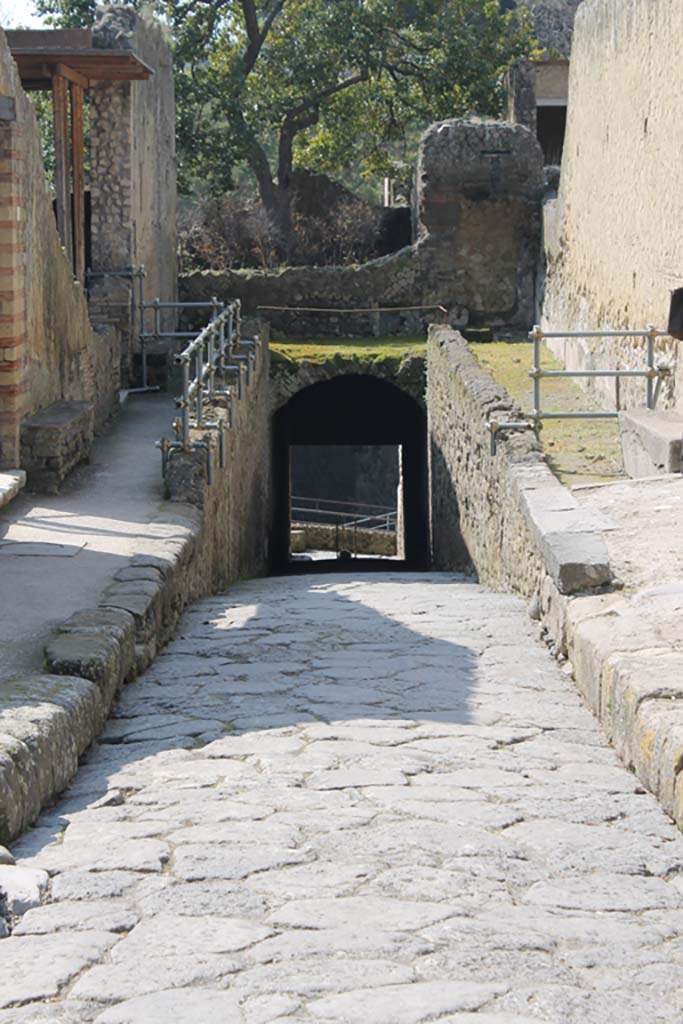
x=73, y=76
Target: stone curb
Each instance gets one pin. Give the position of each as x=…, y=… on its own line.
x=48, y=720
x=630, y=674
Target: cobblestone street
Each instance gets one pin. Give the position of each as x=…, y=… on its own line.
x=332, y=800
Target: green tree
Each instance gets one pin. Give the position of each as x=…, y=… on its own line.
x=328, y=84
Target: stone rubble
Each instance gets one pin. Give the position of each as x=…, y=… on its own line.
x=349, y=801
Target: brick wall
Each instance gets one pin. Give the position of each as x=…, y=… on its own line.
x=48, y=351
x=12, y=313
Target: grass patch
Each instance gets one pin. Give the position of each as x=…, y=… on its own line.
x=578, y=451
x=320, y=351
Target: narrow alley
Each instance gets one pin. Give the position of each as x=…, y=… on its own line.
x=371, y=801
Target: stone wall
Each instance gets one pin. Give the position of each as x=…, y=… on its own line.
x=365, y=474
x=613, y=246
x=316, y=537
x=290, y=376
x=133, y=179
x=48, y=350
x=505, y=515
x=479, y=188
x=236, y=506
x=553, y=22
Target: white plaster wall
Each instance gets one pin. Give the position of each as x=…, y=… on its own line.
x=617, y=249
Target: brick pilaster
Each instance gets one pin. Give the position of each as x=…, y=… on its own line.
x=13, y=382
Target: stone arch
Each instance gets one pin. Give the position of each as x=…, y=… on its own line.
x=288, y=376
x=354, y=409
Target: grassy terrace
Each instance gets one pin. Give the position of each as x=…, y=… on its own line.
x=578, y=451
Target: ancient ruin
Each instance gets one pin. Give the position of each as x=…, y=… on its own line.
x=327, y=691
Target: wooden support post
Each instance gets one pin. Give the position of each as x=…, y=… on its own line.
x=77, y=156
x=62, y=182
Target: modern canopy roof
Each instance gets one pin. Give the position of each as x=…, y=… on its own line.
x=42, y=54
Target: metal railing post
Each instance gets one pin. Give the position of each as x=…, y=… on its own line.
x=185, y=412
x=536, y=336
x=651, y=371
x=198, y=372
x=211, y=355
x=221, y=344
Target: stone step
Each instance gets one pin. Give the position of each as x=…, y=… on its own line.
x=651, y=441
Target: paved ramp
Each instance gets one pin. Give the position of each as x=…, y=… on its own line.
x=333, y=800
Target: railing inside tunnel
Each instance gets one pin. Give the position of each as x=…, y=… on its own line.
x=215, y=367
x=349, y=514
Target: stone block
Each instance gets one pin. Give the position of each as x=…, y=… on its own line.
x=46, y=722
x=572, y=546
x=140, y=598
x=11, y=482
x=651, y=441
x=575, y=560
x=54, y=441
x=642, y=711
x=92, y=656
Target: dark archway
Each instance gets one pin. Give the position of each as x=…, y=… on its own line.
x=354, y=410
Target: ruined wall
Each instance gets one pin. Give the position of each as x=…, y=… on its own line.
x=47, y=348
x=479, y=186
x=236, y=507
x=553, y=22
x=613, y=244
x=503, y=514
x=133, y=169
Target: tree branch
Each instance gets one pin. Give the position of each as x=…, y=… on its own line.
x=255, y=34
x=325, y=94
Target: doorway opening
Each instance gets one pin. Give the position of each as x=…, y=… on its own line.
x=350, y=478
x=345, y=501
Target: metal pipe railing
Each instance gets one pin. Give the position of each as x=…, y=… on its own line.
x=346, y=514
x=653, y=375
x=212, y=354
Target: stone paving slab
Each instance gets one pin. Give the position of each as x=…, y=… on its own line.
x=371, y=801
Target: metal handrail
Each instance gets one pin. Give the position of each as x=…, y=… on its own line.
x=346, y=514
x=654, y=374
x=213, y=353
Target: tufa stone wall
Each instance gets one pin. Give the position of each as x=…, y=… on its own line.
x=48, y=350
x=613, y=245
x=289, y=376
x=317, y=537
x=553, y=22
x=133, y=189
x=479, y=188
x=236, y=507
x=505, y=515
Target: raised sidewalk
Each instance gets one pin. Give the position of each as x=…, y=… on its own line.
x=83, y=580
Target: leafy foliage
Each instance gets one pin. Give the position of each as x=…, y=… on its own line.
x=329, y=84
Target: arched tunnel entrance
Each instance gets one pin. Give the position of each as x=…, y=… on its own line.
x=353, y=410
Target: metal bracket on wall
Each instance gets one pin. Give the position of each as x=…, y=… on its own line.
x=495, y=428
